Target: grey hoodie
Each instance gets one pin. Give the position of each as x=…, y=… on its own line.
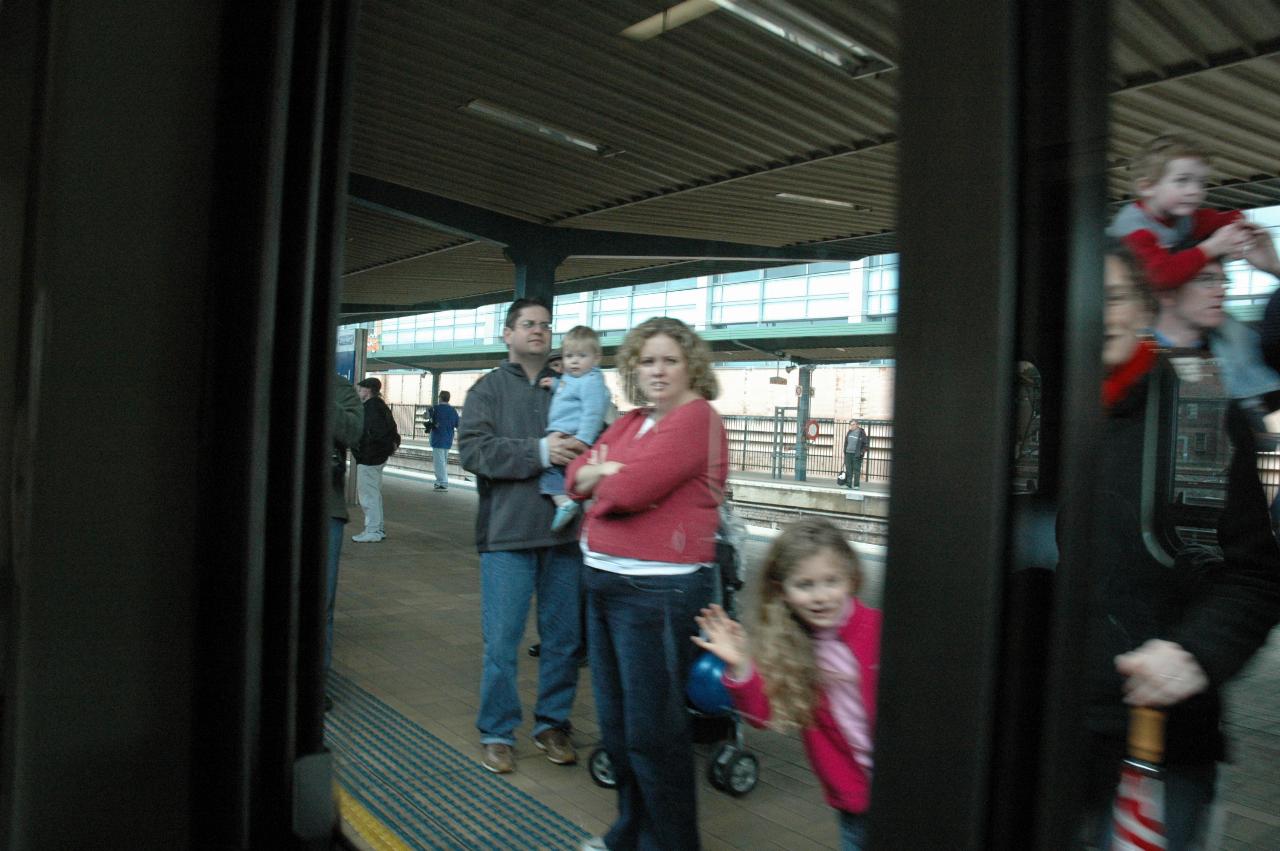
x=503, y=420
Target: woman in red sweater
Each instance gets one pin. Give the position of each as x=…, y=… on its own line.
x=657, y=478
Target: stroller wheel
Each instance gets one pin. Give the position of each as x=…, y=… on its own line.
x=718, y=767
x=741, y=774
x=601, y=769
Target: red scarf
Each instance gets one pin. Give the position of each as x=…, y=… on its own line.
x=1116, y=385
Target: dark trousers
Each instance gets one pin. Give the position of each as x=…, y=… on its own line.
x=853, y=469
x=639, y=628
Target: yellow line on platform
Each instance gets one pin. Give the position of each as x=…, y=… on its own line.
x=376, y=835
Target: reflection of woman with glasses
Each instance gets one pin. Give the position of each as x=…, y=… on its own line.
x=1160, y=636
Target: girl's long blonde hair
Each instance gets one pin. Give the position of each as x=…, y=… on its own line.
x=783, y=647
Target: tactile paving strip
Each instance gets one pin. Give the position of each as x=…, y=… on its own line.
x=425, y=791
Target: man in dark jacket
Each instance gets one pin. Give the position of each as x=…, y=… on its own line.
x=1166, y=630
x=348, y=425
x=855, y=446
x=502, y=440
x=379, y=440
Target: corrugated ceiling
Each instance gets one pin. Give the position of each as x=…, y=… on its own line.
x=714, y=119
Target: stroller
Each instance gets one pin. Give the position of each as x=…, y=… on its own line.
x=733, y=768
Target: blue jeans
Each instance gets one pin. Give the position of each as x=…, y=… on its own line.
x=638, y=632
x=440, y=460
x=336, y=525
x=508, y=581
x=853, y=831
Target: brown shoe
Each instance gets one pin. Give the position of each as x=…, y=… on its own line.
x=556, y=745
x=499, y=758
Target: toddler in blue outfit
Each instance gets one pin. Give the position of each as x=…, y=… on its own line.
x=578, y=405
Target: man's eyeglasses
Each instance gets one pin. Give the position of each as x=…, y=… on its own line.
x=529, y=325
x=1210, y=282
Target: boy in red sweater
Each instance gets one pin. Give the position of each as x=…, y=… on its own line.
x=1167, y=230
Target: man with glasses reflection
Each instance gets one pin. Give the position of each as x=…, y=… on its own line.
x=502, y=441
x=1167, y=636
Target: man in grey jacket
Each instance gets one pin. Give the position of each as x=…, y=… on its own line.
x=855, y=447
x=501, y=439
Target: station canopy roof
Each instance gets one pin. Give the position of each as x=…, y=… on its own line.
x=478, y=124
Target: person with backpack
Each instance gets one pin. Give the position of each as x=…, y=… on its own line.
x=378, y=442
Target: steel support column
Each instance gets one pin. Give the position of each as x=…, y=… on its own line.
x=1013, y=198
x=535, y=272
x=805, y=387
x=955, y=353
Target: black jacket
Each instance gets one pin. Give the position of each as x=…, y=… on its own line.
x=1218, y=603
x=855, y=442
x=380, y=437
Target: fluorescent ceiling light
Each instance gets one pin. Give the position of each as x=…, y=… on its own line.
x=669, y=19
x=821, y=202
x=802, y=30
x=536, y=127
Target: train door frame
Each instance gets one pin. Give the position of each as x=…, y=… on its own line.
x=180, y=167
x=1003, y=139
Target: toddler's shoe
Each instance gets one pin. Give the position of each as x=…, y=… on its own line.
x=564, y=515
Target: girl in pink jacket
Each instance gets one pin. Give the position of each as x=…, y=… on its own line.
x=812, y=663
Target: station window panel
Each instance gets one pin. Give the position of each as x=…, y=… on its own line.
x=424, y=335
x=646, y=289
x=739, y=277
x=443, y=334
x=829, y=285
x=728, y=314
x=786, y=288
x=690, y=316
x=824, y=268
x=882, y=304
x=785, y=271
x=613, y=304
x=611, y=321
x=825, y=307
x=649, y=301
x=784, y=310
x=569, y=316
x=682, y=284
x=739, y=292
x=389, y=338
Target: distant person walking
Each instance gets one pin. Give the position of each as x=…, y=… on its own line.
x=379, y=440
x=445, y=420
x=855, y=447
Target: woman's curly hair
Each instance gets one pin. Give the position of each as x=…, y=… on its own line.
x=782, y=646
x=702, y=380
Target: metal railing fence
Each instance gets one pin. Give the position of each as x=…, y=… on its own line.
x=759, y=444
x=768, y=445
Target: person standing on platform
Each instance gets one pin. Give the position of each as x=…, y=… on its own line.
x=656, y=477
x=855, y=447
x=379, y=441
x=501, y=440
x=348, y=425
x=446, y=421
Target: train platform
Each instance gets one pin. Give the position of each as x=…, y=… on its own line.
x=405, y=686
